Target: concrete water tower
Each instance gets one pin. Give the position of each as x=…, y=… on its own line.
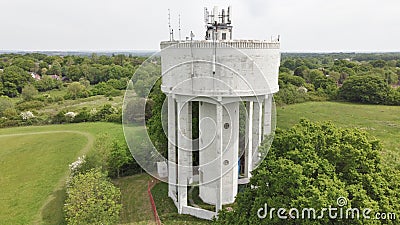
x=218, y=74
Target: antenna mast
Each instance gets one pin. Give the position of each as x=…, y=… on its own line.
x=171, y=31
x=179, y=27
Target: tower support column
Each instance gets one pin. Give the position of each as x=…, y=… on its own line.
x=219, y=145
x=172, y=166
x=257, y=132
x=249, y=140
x=184, y=149
x=267, y=115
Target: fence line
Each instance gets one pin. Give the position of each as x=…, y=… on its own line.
x=150, y=185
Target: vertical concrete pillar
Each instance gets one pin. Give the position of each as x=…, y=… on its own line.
x=249, y=140
x=171, y=148
x=219, y=149
x=189, y=136
x=257, y=132
x=267, y=115
x=184, y=146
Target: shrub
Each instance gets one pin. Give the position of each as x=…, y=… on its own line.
x=290, y=95
x=92, y=199
x=29, y=92
x=5, y=103
x=23, y=106
x=83, y=116
x=27, y=115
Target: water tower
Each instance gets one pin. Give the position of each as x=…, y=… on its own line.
x=218, y=74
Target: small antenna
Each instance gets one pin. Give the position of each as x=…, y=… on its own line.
x=179, y=27
x=171, y=31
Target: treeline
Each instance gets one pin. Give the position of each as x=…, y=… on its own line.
x=48, y=72
x=364, y=78
x=30, y=78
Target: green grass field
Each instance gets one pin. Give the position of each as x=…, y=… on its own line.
x=34, y=165
x=383, y=122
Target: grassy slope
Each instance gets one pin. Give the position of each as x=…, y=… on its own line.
x=78, y=104
x=33, y=167
x=382, y=122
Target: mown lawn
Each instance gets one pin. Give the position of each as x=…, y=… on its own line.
x=31, y=167
x=34, y=164
x=383, y=122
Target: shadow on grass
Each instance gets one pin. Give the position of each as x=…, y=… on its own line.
x=52, y=212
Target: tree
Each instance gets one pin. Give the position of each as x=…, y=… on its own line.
x=73, y=72
x=75, y=90
x=13, y=79
x=310, y=166
x=118, y=157
x=29, y=92
x=301, y=71
x=55, y=69
x=154, y=124
x=25, y=63
x=92, y=199
x=365, y=89
x=47, y=83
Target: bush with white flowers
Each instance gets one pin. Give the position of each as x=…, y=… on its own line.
x=76, y=166
x=27, y=115
x=70, y=116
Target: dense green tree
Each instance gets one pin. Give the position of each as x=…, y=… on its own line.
x=55, y=69
x=118, y=84
x=301, y=71
x=24, y=63
x=310, y=166
x=364, y=89
x=290, y=79
x=14, y=79
x=47, y=83
x=73, y=72
x=154, y=124
x=290, y=64
x=92, y=199
x=378, y=63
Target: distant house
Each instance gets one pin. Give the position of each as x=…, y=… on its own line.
x=35, y=76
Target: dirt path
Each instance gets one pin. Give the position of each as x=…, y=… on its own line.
x=61, y=182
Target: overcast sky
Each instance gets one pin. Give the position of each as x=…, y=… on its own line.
x=303, y=25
